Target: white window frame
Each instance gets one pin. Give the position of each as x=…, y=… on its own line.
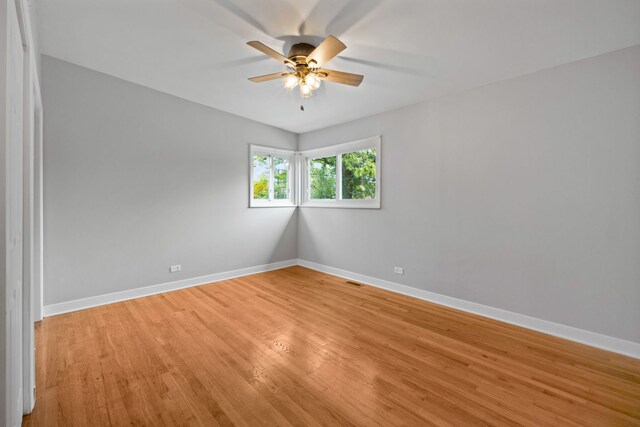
x=337, y=150
x=259, y=150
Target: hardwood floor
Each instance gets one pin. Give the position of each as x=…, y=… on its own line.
x=298, y=347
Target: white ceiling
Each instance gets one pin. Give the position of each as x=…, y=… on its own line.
x=408, y=50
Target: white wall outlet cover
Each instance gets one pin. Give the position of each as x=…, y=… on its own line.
x=398, y=270
x=175, y=268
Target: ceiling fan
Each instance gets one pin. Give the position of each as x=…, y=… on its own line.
x=305, y=63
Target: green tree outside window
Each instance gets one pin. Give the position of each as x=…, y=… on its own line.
x=260, y=177
x=262, y=169
x=280, y=171
x=359, y=174
x=323, y=178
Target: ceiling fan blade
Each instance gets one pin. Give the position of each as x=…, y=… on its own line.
x=328, y=49
x=268, y=51
x=266, y=77
x=340, y=77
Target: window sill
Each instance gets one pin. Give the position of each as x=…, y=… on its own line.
x=271, y=204
x=342, y=204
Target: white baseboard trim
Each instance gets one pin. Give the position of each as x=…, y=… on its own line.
x=83, y=303
x=617, y=345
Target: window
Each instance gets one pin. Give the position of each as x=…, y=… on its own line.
x=261, y=171
x=281, y=188
x=339, y=176
x=322, y=176
x=359, y=175
x=344, y=175
x=271, y=177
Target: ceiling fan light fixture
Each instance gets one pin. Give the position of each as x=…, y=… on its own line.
x=305, y=91
x=312, y=81
x=290, y=81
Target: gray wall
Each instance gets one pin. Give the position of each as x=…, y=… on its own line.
x=522, y=195
x=137, y=180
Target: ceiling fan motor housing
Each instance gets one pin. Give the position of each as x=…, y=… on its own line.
x=300, y=51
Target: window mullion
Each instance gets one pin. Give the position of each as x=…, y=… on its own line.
x=307, y=185
x=296, y=180
x=290, y=168
x=338, y=176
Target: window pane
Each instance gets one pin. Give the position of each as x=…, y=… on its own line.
x=322, y=174
x=359, y=174
x=280, y=181
x=260, y=177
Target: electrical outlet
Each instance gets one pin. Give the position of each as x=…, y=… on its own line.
x=175, y=268
x=398, y=270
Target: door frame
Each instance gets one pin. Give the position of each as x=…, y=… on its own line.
x=32, y=141
x=38, y=204
x=33, y=235
x=31, y=191
x=13, y=59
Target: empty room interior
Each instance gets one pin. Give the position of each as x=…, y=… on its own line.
x=320, y=213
